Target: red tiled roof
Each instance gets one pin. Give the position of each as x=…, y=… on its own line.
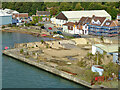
x=61, y=16
x=21, y=15
x=101, y=19
x=70, y=24
x=110, y=23
x=84, y=20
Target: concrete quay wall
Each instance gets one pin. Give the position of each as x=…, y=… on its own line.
x=51, y=70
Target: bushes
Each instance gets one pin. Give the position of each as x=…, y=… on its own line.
x=39, y=24
x=82, y=63
x=42, y=41
x=89, y=54
x=111, y=68
x=21, y=51
x=32, y=23
x=3, y=26
x=98, y=57
x=89, y=74
x=14, y=25
x=54, y=32
x=9, y=25
x=102, y=39
x=42, y=25
x=46, y=46
x=27, y=24
x=68, y=37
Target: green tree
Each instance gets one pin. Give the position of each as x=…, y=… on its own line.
x=30, y=7
x=42, y=41
x=65, y=6
x=85, y=5
x=54, y=11
x=78, y=6
x=96, y=6
x=112, y=11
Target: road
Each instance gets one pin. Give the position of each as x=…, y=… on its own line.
x=48, y=24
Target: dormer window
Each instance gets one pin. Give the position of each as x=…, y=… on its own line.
x=98, y=22
x=107, y=23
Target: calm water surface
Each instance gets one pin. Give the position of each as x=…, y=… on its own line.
x=16, y=74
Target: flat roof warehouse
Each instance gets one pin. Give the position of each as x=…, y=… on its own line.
x=86, y=13
x=108, y=48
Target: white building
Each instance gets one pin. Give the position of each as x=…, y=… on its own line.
x=71, y=27
x=5, y=18
x=75, y=16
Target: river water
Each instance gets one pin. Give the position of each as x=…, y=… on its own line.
x=16, y=74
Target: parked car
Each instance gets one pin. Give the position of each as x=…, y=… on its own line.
x=59, y=32
x=60, y=28
x=77, y=36
x=57, y=35
x=50, y=28
x=36, y=24
x=43, y=35
x=42, y=27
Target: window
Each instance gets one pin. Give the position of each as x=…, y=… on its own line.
x=107, y=23
x=98, y=22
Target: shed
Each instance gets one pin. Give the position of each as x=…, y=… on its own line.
x=109, y=49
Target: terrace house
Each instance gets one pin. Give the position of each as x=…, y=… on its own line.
x=103, y=27
x=71, y=27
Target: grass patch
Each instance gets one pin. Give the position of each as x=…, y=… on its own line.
x=21, y=51
x=68, y=37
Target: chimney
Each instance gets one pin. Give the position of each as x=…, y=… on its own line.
x=75, y=23
x=93, y=16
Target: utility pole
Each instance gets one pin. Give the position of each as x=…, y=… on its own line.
x=97, y=58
